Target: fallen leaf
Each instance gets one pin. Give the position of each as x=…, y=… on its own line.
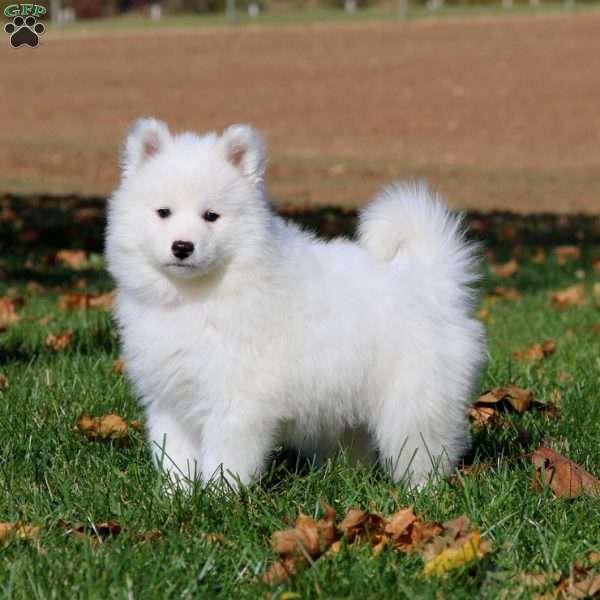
x=135, y=424
x=585, y=588
x=8, y=311
x=213, y=538
x=81, y=301
x=484, y=313
x=571, y=296
x=361, y=525
x=519, y=399
x=60, y=340
x=564, y=377
x=33, y=287
x=71, y=258
x=119, y=365
x=538, y=256
x=399, y=522
x=564, y=253
x=92, y=531
x=105, y=427
x=504, y=293
x=307, y=538
x=596, y=265
x=596, y=292
x=565, y=478
x=507, y=269
x=454, y=557
x=151, y=535
x=18, y=530
x=3, y=381
x=537, y=351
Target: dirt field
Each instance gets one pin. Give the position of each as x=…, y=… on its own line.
x=497, y=113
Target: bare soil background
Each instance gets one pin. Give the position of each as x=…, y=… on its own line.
x=498, y=113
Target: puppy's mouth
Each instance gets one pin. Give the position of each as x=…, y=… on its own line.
x=180, y=265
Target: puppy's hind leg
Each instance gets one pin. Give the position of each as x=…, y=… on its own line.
x=419, y=433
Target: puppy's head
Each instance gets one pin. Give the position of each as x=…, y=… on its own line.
x=187, y=205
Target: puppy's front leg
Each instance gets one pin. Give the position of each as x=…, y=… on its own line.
x=176, y=450
x=239, y=442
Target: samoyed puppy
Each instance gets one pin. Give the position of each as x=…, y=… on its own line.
x=241, y=332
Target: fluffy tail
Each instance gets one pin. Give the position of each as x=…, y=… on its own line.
x=410, y=226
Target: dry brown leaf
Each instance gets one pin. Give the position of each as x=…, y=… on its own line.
x=281, y=570
x=3, y=382
x=596, y=264
x=399, y=521
x=537, y=351
x=585, y=588
x=73, y=259
x=482, y=415
x=596, y=292
x=564, y=253
x=564, y=377
x=135, y=424
x=105, y=427
x=359, y=525
x=8, y=311
x=504, y=293
x=483, y=314
x=213, y=538
x=92, y=531
x=119, y=365
x=519, y=399
x=18, y=530
x=307, y=538
x=565, y=477
x=80, y=300
x=571, y=296
x=538, y=256
x=507, y=269
x=60, y=340
x=308, y=535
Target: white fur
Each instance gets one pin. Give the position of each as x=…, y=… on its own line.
x=270, y=335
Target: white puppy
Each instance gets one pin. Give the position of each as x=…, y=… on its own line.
x=241, y=331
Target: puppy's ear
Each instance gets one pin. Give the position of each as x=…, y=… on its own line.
x=246, y=150
x=145, y=139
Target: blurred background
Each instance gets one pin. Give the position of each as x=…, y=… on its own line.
x=496, y=103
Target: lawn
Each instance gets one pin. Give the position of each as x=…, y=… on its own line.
x=106, y=530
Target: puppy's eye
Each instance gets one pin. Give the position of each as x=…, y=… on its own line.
x=210, y=216
x=163, y=213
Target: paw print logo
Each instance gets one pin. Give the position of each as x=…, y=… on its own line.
x=24, y=31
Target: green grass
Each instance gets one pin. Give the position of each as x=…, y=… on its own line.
x=291, y=15
x=49, y=472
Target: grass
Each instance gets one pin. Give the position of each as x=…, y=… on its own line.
x=50, y=473
x=291, y=15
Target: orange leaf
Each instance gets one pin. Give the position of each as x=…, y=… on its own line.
x=106, y=427
x=571, y=296
x=71, y=258
x=564, y=253
x=507, y=269
x=505, y=293
x=60, y=340
x=537, y=351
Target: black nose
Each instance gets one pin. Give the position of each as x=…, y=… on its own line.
x=182, y=249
